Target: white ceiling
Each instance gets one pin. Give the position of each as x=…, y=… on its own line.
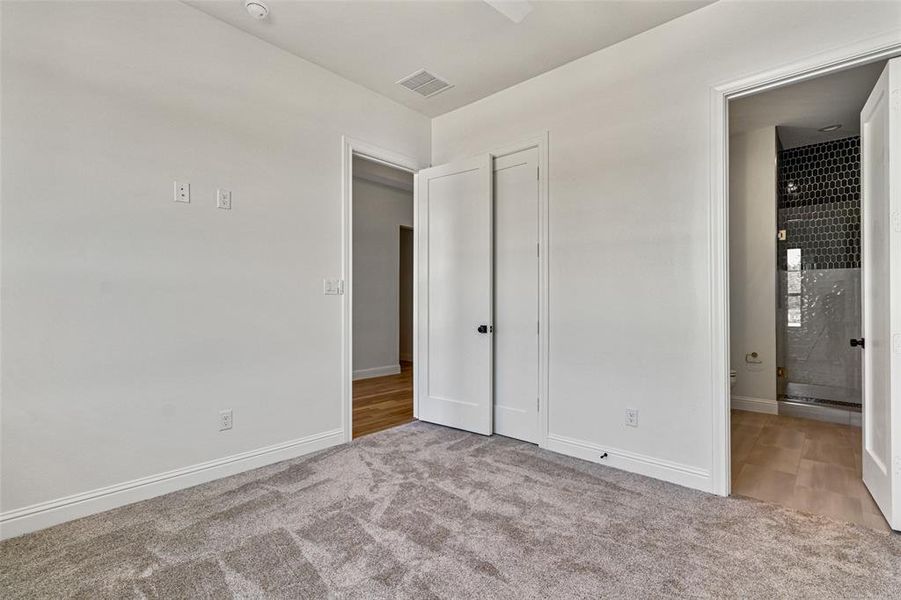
x=466, y=42
x=799, y=110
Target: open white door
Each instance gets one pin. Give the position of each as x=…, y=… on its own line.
x=880, y=131
x=455, y=295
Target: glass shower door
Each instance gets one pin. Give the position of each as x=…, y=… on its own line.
x=819, y=274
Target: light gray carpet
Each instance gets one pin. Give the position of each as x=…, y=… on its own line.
x=427, y=512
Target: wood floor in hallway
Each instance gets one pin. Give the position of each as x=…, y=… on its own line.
x=807, y=465
x=383, y=402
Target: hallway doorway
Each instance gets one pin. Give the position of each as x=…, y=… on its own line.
x=382, y=296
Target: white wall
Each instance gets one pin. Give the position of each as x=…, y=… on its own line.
x=629, y=209
x=129, y=320
x=379, y=211
x=752, y=262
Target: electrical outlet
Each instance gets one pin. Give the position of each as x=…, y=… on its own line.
x=226, y=420
x=632, y=417
x=332, y=287
x=182, y=192
x=223, y=199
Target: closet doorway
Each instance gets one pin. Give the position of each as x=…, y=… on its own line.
x=481, y=302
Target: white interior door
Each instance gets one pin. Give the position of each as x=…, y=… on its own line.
x=516, y=295
x=880, y=127
x=455, y=295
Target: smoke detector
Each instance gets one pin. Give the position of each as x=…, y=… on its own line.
x=424, y=83
x=256, y=9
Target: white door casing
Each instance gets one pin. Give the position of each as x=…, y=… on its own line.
x=454, y=262
x=880, y=123
x=516, y=295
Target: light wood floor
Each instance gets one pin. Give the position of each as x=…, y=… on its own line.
x=383, y=402
x=807, y=465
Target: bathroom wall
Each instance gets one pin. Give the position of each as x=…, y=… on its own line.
x=752, y=281
x=819, y=304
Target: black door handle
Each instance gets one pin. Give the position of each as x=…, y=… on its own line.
x=856, y=343
x=485, y=329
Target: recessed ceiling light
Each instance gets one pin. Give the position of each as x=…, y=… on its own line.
x=829, y=128
x=256, y=9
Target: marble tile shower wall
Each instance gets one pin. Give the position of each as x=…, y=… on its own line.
x=819, y=208
x=819, y=363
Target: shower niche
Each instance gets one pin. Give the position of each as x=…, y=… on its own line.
x=818, y=291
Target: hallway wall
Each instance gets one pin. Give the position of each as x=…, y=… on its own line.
x=379, y=211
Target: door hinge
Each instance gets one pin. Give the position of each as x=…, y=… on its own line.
x=538, y=249
x=538, y=172
x=538, y=404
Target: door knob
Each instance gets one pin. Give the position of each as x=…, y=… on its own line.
x=856, y=343
x=485, y=329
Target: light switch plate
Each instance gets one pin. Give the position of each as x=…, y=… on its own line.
x=182, y=192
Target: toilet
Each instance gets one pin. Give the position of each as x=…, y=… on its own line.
x=732, y=379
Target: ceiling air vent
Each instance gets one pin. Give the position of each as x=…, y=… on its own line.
x=424, y=83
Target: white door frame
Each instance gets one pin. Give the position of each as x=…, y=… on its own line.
x=539, y=141
x=857, y=54
x=349, y=147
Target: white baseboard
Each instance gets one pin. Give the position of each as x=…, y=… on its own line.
x=761, y=405
x=376, y=372
x=38, y=516
x=657, y=468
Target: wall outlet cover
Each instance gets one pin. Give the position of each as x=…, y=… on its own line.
x=223, y=199
x=332, y=287
x=226, y=420
x=632, y=417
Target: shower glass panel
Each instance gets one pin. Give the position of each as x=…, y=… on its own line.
x=819, y=273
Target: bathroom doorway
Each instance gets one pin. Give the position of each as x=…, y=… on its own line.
x=796, y=314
